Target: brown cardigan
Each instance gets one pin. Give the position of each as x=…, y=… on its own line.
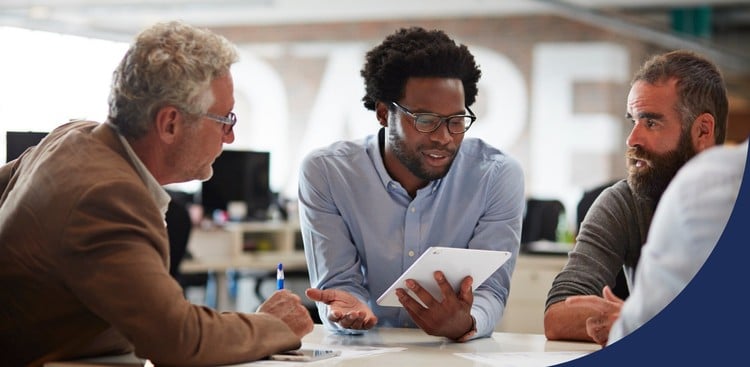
x=84, y=265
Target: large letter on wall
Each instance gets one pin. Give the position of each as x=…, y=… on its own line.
x=262, y=113
x=556, y=132
x=503, y=91
x=337, y=112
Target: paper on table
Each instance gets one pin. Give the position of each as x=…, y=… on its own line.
x=347, y=352
x=356, y=351
x=522, y=359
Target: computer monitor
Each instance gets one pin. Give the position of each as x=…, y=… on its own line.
x=16, y=142
x=239, y=175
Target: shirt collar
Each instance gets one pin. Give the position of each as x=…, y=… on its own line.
x=158, y=193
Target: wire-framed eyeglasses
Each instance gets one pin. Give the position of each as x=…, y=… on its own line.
x=229, y=121
x=427, y=122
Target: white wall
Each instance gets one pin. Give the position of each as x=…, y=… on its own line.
x=49, y=78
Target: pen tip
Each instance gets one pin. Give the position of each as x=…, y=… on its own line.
x=279, y=267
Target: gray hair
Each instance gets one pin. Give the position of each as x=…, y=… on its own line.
x=169, y=64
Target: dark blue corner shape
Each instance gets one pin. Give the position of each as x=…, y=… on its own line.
x=708, y=322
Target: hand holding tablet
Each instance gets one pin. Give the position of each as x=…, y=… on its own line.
x=455, y=263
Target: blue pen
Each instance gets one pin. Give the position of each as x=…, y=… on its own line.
x=280, y=277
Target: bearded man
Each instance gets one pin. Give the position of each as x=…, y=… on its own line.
x=678, y=107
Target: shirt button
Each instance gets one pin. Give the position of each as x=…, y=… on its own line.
x=411, y=253
x=413, y=210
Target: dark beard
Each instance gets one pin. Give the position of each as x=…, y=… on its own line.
x=649, y=184
x=411, y=160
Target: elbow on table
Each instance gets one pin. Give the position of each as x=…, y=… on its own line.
x=550, y=331
x=553, y=323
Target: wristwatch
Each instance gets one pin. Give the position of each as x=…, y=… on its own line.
x=469, y=333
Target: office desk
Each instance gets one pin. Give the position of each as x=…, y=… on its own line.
x=531, y=281
x=416, y=349
x=255, y=248
x=262, y=263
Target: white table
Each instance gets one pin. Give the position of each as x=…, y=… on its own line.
x=425, y=350
x=419, y=349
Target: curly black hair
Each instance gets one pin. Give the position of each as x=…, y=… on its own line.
x=416, y=52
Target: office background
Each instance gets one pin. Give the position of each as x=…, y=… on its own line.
x=553, y=93
x=555, y=73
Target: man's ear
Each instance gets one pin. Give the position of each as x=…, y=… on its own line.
x=702, y=132
x=168, y=123
x=381, y=111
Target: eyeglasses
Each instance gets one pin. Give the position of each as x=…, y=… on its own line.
x=229, y=121
x=429, y=122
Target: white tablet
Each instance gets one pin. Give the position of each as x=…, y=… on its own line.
x=455, y=263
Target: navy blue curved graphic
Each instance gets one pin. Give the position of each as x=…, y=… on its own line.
x=707, y=324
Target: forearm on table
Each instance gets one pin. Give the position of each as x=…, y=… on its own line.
x=563, y=322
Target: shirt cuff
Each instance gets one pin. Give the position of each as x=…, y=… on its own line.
x=466, y=337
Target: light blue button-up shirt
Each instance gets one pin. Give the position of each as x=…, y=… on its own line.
x=362, y=230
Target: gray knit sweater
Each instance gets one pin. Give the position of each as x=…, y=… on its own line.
x=610, y=239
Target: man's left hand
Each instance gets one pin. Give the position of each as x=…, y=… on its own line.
x=607, y=308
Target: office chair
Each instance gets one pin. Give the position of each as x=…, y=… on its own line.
x=178, y=230
x=540, y=220
x=179, y=226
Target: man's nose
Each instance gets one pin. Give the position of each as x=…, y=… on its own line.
x=635, y=138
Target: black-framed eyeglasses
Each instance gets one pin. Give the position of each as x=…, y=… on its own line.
x=427, y=122
x=229, y=121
